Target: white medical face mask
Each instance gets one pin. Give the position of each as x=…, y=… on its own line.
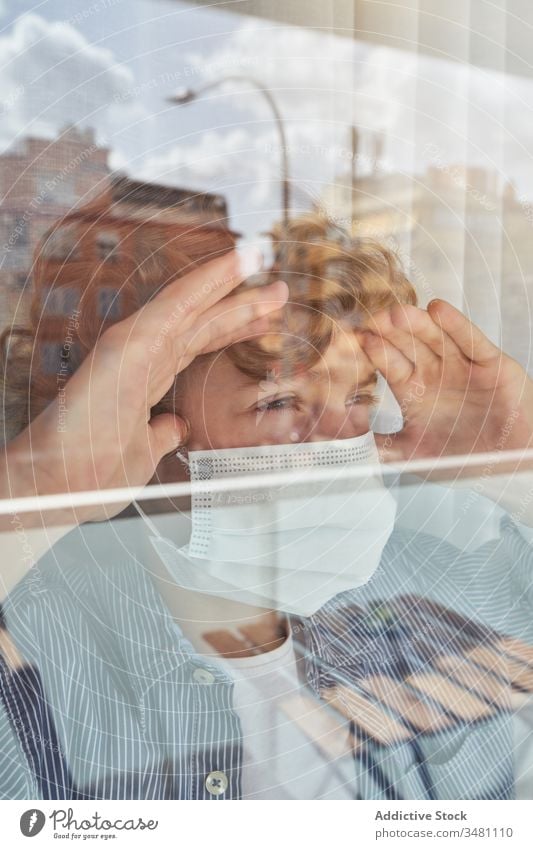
x=290, y=546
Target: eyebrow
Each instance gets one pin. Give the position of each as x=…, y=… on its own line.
x=333, y=374
x=371, y=380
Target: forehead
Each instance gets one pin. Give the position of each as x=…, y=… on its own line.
x=343, y=362
x=343, y=359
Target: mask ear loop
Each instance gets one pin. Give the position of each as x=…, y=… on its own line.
x=183, y=458
x=146, y=518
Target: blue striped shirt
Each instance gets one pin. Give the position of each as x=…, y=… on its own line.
x=108, y=704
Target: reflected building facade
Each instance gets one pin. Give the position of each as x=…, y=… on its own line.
x=41, y=180
x=73, y=231
x=461, y=233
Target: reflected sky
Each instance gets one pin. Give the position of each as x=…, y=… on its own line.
x=93, y=64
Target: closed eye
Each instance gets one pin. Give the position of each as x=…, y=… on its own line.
x=273, y=405
x=367, y=399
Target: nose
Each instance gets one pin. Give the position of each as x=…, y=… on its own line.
x=334, y=421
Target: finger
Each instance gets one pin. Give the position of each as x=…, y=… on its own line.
x=259, y=327
x=229, y=320
x=200, y=289
x=168, y=432
x=389, y=325
x=469, y=339
x=420, y=323
x=395, y=367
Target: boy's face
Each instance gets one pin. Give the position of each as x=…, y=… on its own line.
x=332, y=400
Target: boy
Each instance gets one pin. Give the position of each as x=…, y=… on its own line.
x=146, y=685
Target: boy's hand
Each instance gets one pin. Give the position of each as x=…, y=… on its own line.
x=459, y=393
x=105, y=437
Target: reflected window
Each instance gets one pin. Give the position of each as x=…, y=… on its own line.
x=107, y=246
x=62, y=244
x=60, y=357
x=61, y=300
x=20, y=231
x=51, y=357
x=20, y=280
x=108, y=303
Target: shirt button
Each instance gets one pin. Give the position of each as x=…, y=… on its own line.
x=203, y=676
x=216, y=783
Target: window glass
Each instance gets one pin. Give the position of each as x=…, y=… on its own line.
x=257, y=553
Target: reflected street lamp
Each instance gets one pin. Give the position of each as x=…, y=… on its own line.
x=188, y=95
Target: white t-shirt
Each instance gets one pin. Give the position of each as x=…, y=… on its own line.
x=295, y=746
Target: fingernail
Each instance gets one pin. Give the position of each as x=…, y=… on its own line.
x=183, y=430
x=250, y=261
x=284, y=289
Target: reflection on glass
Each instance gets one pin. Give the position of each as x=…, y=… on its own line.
x=398, y=688
x=284, y=617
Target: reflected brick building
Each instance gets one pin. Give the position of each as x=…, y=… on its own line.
x=40, y=180
x=99, y=237
x=110, y=252
x=462, y=233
